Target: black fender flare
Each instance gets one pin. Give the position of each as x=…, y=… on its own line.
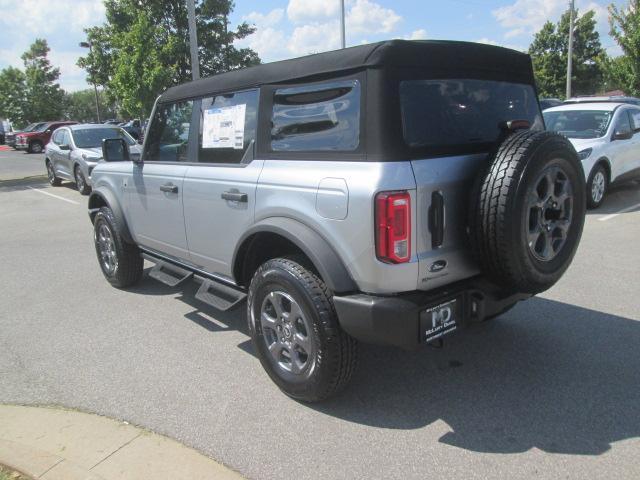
x=313, y=245
x=103, y=196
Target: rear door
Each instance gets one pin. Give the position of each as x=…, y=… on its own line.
x=623, y=149
x=451, y=125
x=219, y=191
x=634, y=162
x=155, y=204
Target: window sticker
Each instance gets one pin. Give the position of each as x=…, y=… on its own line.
x=223, y=127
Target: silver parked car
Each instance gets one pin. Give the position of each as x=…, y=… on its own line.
x=75, y=150
x=390, y=193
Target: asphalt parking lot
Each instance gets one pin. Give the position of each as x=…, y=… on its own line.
x=549, y=390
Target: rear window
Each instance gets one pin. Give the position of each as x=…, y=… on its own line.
x=321, y=117
x=463, y=112
x=579, y=123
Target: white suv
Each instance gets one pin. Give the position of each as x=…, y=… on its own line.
x=607, y=138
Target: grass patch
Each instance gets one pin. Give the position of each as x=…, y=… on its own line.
x=7, y=474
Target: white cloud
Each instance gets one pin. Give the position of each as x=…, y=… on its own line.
x=316, y=27
x=60, y=22
x=525, y=17
x=314, y=38
x=265, y=20
x=370, y=17
x=312, y=10
x=420, y=34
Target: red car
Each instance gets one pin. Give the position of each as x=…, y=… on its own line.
x=34, y=142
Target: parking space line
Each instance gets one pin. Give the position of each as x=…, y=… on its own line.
x=624, y=210
x=54, y=196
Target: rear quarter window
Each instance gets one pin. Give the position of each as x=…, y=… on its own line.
x=463, y=112
x=320, y=117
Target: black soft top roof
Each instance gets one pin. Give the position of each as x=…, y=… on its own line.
x=438, y=57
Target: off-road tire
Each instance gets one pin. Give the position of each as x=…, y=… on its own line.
x=54, y=181
x=130, y=262
x=499, y=212
x=35, y=147
x=591, y=203
x=81, y=183
x=336, y=353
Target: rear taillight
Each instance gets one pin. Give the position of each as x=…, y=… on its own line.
x=393, y=227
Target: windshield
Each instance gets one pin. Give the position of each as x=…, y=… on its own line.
x=579, y=123
x=31, y=127
x=443, y=113
x=92, y=137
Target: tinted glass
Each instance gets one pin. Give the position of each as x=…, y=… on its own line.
x=168, y=137
x=227, y=126
x=579, y=123
x=635, y=119
x=57, y=137
x=92, y=137
x=440, y=113
x=623, y=124
x=317, y=117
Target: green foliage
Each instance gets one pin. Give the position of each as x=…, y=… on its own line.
x=13, y=96
x=549, y=54
x=624, y=72
x=81, y=106
x=44, y=97
x=143, y=48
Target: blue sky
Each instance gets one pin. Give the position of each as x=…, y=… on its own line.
x=288, y=28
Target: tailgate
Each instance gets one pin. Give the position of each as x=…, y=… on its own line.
x=443, y=194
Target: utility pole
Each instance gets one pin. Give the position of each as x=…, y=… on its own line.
x=95, y=87
x=193, y=39
x=572, y=19
x=342, y=28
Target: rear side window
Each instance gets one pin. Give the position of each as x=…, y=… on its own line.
x=635, y=119
x=168, y=137
x=623, y=124
x=463, y=112
x=321, y=117
x=227, y=126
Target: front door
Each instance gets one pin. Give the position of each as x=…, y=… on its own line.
x=219, y=191
x=155, y=195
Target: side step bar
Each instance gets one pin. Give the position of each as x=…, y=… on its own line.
x=168, y=274
x=218, y=295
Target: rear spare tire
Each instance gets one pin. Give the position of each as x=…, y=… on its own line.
x=528, y=210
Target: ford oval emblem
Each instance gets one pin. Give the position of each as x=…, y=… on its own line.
x=438, y=266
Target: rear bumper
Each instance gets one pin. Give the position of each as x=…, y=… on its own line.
x=395, y=320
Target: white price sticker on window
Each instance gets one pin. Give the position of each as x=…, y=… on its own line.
x=223, y=127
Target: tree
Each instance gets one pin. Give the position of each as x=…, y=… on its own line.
x=13, y=96
x=81, y=106
x=44, y=95
x=624, y=71
x=143, y=48
x=549, y=54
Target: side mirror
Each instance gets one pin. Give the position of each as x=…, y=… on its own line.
x=115, y=150
x=64, y=146
x=622, y=135
x=48, y=130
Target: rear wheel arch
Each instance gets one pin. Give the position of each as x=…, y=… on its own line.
x=278, y=237
x=104, y=198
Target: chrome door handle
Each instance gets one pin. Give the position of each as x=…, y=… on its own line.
x=169, y=188
x=235, y=196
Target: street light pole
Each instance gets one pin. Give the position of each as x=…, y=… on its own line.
x=570, y=49
x=342, y=27
x=95, y=87
x=193, y=40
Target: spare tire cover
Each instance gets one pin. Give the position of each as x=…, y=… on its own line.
x=527, y=211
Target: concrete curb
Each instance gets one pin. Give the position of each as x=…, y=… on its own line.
x=54, y=444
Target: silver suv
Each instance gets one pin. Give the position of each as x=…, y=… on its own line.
x=390, y=193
